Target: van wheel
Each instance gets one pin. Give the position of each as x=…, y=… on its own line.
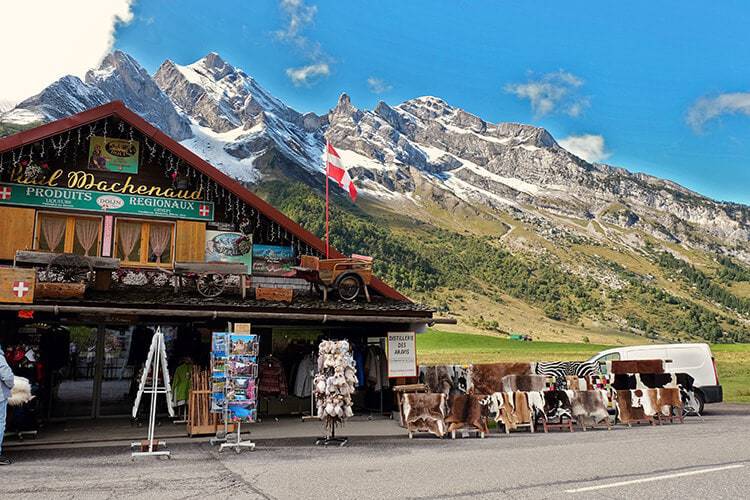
x=700, y=399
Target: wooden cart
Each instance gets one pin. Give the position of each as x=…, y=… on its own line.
x=210, y=278
x=347, y=276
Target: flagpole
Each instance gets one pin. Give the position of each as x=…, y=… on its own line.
x=326, y=174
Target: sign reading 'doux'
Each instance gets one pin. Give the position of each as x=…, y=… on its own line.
x=402, y=354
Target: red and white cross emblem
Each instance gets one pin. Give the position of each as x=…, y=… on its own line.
x=20, y=288
x=5, y=193
x=203, y=210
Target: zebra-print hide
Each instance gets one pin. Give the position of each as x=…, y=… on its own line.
x=561, y=369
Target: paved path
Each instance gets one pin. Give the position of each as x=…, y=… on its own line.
x=694, y=460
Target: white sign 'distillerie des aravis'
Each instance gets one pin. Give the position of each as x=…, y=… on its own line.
x=402, y=354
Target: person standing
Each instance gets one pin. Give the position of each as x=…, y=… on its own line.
x=6, y=384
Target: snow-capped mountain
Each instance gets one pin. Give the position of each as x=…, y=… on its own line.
x=119, y=76
x=420, y=151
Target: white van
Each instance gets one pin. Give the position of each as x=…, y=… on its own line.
x=693, y=359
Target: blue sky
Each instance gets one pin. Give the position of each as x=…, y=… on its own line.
x=660, y=87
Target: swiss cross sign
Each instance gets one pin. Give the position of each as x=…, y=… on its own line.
x=17, y=285
x=204, y=211
x=20, y=288
x=5, y=193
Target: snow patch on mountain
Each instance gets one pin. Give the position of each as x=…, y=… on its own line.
x=209, y=145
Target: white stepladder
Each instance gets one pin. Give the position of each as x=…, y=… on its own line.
x=156, y=363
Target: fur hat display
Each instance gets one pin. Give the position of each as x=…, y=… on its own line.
x=335, y=382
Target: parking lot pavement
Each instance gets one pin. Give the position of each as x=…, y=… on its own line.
x=694, y=460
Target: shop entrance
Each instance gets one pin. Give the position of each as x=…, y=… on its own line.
x=96, y=378
x=98, y=375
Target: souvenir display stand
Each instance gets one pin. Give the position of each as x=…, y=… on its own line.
x=234, y=370
x=156, y=363
x=333, y=386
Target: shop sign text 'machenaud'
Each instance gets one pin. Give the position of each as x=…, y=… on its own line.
x=93, y=201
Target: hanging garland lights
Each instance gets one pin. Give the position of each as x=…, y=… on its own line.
x=245, y=218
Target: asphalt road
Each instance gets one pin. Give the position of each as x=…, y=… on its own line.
x=694, y=460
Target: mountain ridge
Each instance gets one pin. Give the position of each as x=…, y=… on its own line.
x=504, y=185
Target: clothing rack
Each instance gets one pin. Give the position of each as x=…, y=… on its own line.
x=377, y=412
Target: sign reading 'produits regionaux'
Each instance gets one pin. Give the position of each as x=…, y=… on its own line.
x=92, y=201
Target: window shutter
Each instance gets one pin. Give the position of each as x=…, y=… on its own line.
x=190, y=241
x=17, y=230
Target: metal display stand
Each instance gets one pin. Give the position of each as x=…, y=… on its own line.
x=222, y=438
x=238, y=444
x=155, y=362
x=332, y=439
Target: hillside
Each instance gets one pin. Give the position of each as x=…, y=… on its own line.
x=493, y=223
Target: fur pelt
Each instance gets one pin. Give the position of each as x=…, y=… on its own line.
x=438, y=379
x=424, y=411
x=667, y=399
x=21, y=392
x=487, y=378
x=655, y=380
x=467, y=410
x=446, y=379
x=590, y=407
x=557, y=405
x=626, y=411
x=637, y=366
x=624, y=382
x=521, y=408
x=523, y=382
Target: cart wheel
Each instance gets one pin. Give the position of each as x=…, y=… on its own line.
x=210, y=284
x=348, y=287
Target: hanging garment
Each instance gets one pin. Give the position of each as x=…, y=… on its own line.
x=271, y=378
x=181, y=384
x=303, y=377
x=359, y=359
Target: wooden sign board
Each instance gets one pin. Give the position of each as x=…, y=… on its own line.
x=274, y=294
x=242, y=327
x=17, y=285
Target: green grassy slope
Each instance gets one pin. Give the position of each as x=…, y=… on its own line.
x=471, y=268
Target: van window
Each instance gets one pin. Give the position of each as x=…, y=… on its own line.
x=615, y=356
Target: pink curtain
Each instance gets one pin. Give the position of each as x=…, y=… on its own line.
x=159, y=239
x=53, y=230
x=87, y=233
x=127, y=234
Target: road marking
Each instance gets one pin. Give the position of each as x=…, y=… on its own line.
x=655, y=478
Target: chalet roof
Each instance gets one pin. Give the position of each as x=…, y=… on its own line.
x=118, y=109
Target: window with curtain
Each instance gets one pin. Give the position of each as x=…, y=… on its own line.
x=68, y=234
x=144, y=242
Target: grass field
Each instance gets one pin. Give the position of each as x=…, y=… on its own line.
x=437, y=347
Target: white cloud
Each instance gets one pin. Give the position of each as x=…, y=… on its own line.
x=552, y=92
x=299, y=15
x=590, y=147
x=378, y=85
x=307, y=75
x=706, y=109
x=44, y=41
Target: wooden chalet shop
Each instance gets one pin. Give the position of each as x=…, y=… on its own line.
x=111, y=229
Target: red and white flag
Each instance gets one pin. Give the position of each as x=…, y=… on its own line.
x=336, y=171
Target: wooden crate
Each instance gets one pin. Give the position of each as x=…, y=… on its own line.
x=275, y=294
x=17, y=285
x=59, y=290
